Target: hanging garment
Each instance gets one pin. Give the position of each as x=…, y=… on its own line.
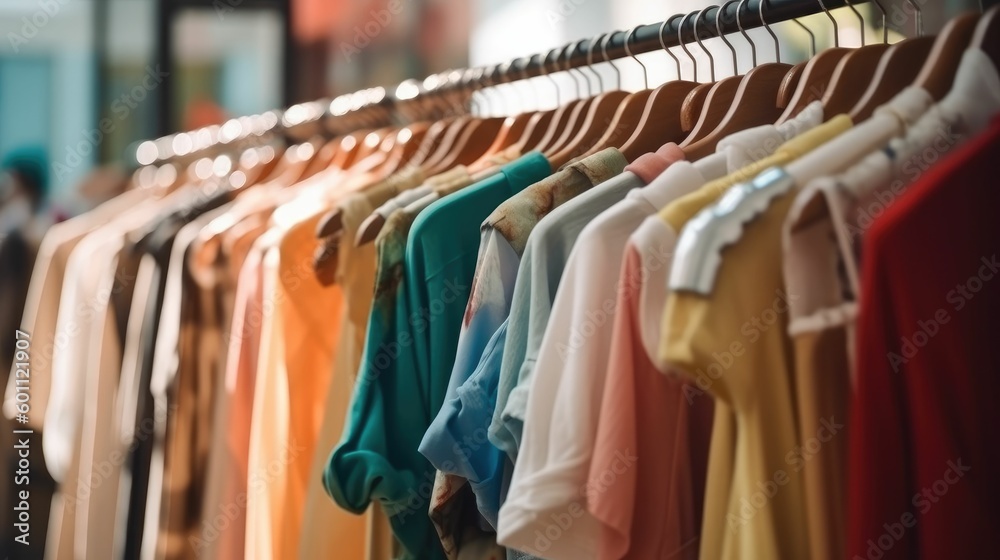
x=693, y=328
x=407, y=357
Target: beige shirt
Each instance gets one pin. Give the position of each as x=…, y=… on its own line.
x=42, y=301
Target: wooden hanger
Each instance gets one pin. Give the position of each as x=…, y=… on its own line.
x=566, y=123
x=348, y=148
x=987, y=36
x=431, y=145
x=601, y=117
x=858, y=67
x=789, y=83
x=573, y=128
x=816, y=79
x=898, y=68
x=407, y=142
x=818, y=74
x=718, y=95
x=474, y=141
x=693, y=105
x=653, y=116
x=755, y=102
x=332, y=222
x=720, y=98
x=660, y=121
x=446, y=143
x=538, y=124
x=372, y=142
x=560, y=118
x=511, y=131
x=557, y=124
x=938, y=73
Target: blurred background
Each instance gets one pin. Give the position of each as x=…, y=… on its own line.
x=83, y=81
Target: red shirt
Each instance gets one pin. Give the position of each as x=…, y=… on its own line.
x=925, y=426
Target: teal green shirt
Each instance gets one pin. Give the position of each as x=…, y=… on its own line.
x=412, y=337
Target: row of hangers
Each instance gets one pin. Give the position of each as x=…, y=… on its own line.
x=442, y=134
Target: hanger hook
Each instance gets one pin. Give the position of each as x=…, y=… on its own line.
x=812, y=36
x=500, y=71
x=663, y=43
x=485, y=89
x=590, y=60
x=833, y=20
x=697, y=38
x=718, y=29
x=885, y=29
x=739, y=24
x=920, y=17
x=545, y=72
x=861, y=20
x=531, y=85
x=777, y=47
x=680, y=40
x=645, y=78
x=570, y=69
x=604, y=53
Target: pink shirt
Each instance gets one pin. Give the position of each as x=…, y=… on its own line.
x=649, y=166
x=652, y=439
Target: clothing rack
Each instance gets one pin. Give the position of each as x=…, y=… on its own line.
x=382, y=106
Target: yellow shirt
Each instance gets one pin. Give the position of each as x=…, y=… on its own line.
x=733, y=344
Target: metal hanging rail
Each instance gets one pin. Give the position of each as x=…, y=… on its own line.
x=380, y=106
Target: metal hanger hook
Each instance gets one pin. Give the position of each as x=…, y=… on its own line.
x=604, y=53
x=718, y=29
x=697, y=38
x=861, y=20
x=680, y=41
x=545, y=73
x=885, y=28
x=645, y=77
x=663, y=43
x=777, y=46
x=920, y=17
x=590, y=61
x=739, y=24
x=536, y=101
x=833, y=20
x=568, y=50
x=812, y=36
